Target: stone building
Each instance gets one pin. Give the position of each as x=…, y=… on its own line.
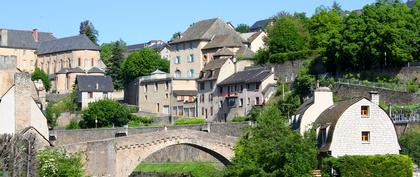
x=158, y=45
x=92, y=88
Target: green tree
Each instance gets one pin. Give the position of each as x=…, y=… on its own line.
x=106, y=52
x=243, y=28
x=57, y=163
x=141, y=63
x=107, y=113
x=288, y=33
x=410, y=145
x=305, y=81
x=271, y=148
x=87, y=28
x=39, y=74
x=323, y=26
x=115, y=63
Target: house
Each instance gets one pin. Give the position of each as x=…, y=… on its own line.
x=260, y=25
x=20, y=105
x=91, y=88
x=65, y=78
x=241, y=92
x=160, y=46
x=40, y=49
x=254, y=40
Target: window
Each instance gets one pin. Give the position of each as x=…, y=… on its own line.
x=210, y=97
x=92, y=62
x=178, y=73
x=364, y=111
x=166, y=95
x=145, y=87
x=177, y=60
x=177, y=47
x=145, y=97
x=365, y=137
x=220, y=104
x=221, y=90
x=211, y=85
x=241, y=103
x=257, y=100
x=191, y=73
x=242, y=88
x=322, y=137
x=156, y=86
x=211, y=111
x=157, y=107
x=105, y=95
x=191, y=45
x=191, y=58
x=201, y=86
x=79, y=62
x=249, y=101
x=247, y=86
x=257, y=86
x=231, y=102
x=90, y=94
x=202, y=110
x=202, y=98
x=166, y=85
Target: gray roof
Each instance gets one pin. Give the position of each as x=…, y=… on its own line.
x=205, y=30
x=211, y=69
x=411, y=3
x=154, y=44
x=24, y=39
x=245, y=53
x=252, y=75
x=330, y=118
x=259, y=25
x=79, y=42
x=251, y=36
x=185, y=92
x=94, y=83
x=225, y=40
x=95, y=70
x=300, y=111
x=223, y=52
x=158, y=72
x=71, y=70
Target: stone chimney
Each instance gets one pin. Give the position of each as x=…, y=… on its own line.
x=35, y=35
x=323, y=95
x=374, y=97
x=23, y=100
x=3, y=37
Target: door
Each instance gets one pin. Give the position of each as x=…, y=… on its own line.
x=165, y=109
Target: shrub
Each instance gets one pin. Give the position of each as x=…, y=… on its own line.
x=239, y=119
x=39, y=74
x=107, y=113
x=74, y=124
x=410, y=145
x=53, y=163
x=375, y=165
x=140, y=120
x=188, y=121
x=412, y=86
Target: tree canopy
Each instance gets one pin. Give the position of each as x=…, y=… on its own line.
x=39, y=74
x=87, y=28
x=243, y=28
x=107, y=112
x=143, y=62
x=115, y=61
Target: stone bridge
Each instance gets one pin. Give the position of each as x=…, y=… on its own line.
x=119, y=156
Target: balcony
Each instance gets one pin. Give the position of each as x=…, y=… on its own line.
x=230, y=94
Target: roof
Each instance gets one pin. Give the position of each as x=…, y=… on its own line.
x=205, y=30
x=153, y=44
x=223, y=52
x=225, y=40
x=245, y=53
x=411, y=3
x=95, y=70
x=185, y=92
x=252, y=75
x=24, y=39
x=258, y=25
x=71, y=70
x=79, y=42
x=86, y=83
x=251, y=36
x=158, y=72
x=330, y=118
x=300, y=111
x=211, y=70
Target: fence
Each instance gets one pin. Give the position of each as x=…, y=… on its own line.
x=406, y=117
x=385, y=86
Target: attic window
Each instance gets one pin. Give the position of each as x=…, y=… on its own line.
x=364, y=111
x=365, y=137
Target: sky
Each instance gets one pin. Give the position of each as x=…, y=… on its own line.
x=138, y=21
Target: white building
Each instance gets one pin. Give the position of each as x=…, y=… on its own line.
x=93, y=88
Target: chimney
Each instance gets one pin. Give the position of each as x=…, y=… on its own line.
x=374, y=97
x=23, y=98
x=324, y=96
x=3, y=37
x=35, y=34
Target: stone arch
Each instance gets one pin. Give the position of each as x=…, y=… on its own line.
x=131, y=151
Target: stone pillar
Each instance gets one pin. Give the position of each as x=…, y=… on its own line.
x=23, y=100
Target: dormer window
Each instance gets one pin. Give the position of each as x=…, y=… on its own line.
x=364, y=112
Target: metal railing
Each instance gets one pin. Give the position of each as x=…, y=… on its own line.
x=385, y=86
x=406, y=117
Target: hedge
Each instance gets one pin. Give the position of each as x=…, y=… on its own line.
x=282, y=57
x=187, y=121
x=375, y=165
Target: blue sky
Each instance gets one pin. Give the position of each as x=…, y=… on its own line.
x=140, y=21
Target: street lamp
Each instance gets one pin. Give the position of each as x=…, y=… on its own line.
x=96, y=122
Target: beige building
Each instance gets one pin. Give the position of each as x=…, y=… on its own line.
x=92, y=88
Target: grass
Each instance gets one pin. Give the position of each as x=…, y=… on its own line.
x=197, y=169
x=189, y=121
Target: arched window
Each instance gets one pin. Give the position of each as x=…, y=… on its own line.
x=191, y=73
x=80, y=62
x=92, y=62
x=177, y=73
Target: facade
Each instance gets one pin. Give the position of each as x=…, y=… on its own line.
x=241, y=92
x=160, y=46
x=65, y=78
x=92, y=88
x=255, y=40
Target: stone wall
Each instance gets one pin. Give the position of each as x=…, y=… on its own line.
x=394, y=97
x=287, y=70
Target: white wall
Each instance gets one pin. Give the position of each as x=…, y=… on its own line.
x=38, y=120
x=322, y=101
x=348, y=131
x=96, y=96
x=7, y=112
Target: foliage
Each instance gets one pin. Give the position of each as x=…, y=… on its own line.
x=197, y=169
x=375, y=165
x=410, y=145
x=324, y=25
x=57, y=163
x=141, y=63
x=238, y=119
x=140, y=121
x=73, y=124
x=413, y=86
x=188, y=121
x=87, y=28
x=176, y=35
x=304, y=81
x=106, y=51
x=115, y=62
x=271, y=148
x=54, y=110
x=107, y=113
x=39, y=74
x=282, y=57
x=243, y=28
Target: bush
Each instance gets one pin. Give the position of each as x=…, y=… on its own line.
x=282, y=57
x=74, y=124
x=412, y=86
x=375, y=165
x=188, y=121
x=54, y=163
x=410, y=145
x=39, y=74
x=107, y=113
x=140, y=121
x=238, y=119
x=54, y=110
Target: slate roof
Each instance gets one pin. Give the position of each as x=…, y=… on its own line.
x=225, y=40
x=71, y=70
x=95, y=70
x=205, y=30
x=24, y=39
x=245, y=53
x=94, y=83
x=251, y=36
x=154, y=44
x=79, y=42
x=252, y=75
x=185, y=92
x=330, y=118
x=223, y=52
x=211, y=70
x=259, y=25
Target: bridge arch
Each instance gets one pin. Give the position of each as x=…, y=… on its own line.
x=132, y=150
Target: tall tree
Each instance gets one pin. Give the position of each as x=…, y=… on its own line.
x=243, y=28
x=324, y=25
x=142, y=63
x=39, y=74
x=87, y=28
x=106, y=51
x=115, y=62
